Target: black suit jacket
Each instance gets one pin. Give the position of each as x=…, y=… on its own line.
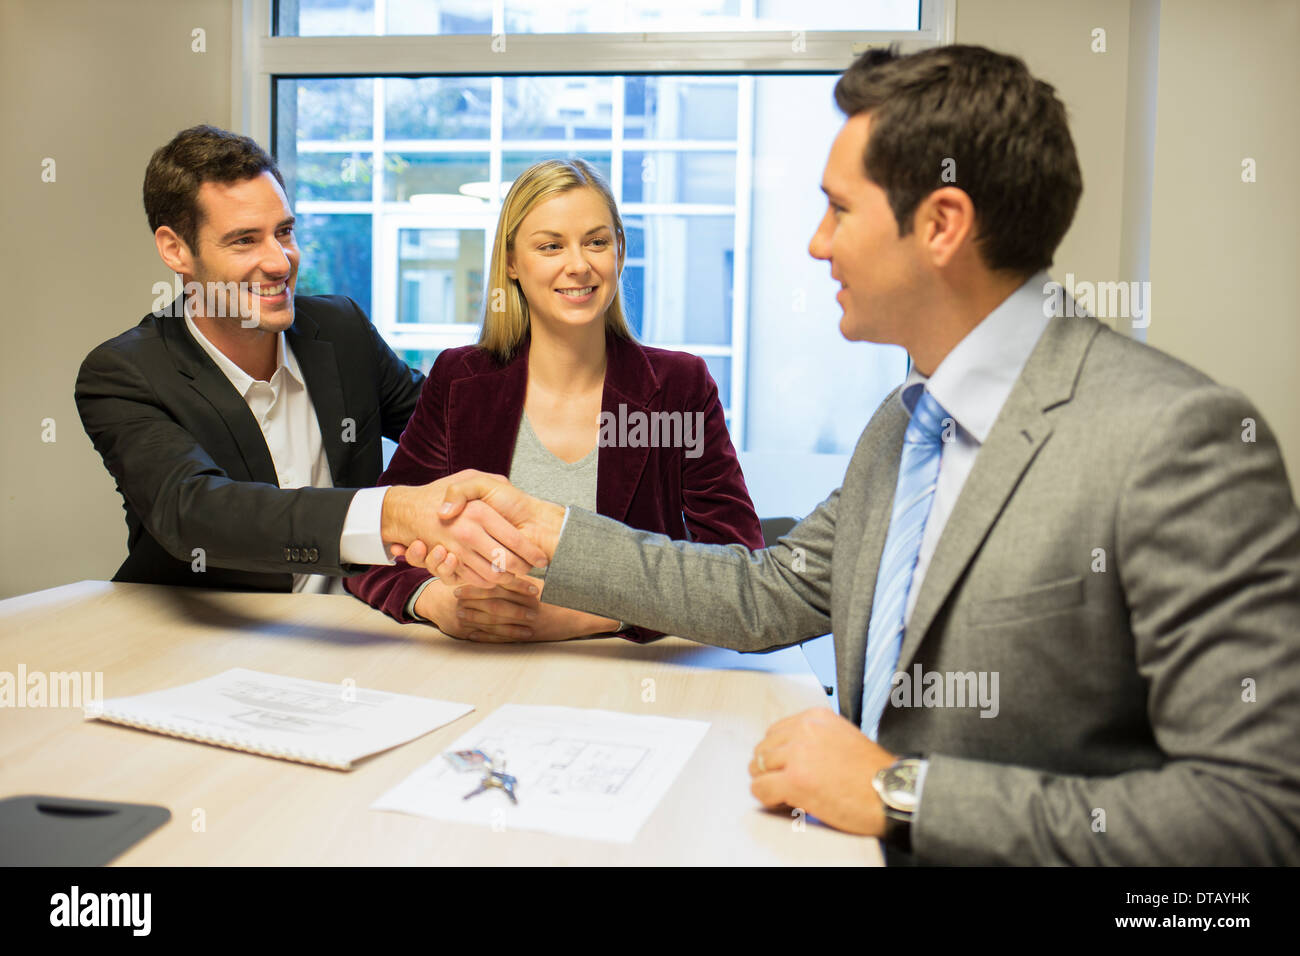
x=193, y=467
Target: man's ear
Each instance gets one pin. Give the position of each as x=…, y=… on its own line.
x=173, y=251
x=945, y=223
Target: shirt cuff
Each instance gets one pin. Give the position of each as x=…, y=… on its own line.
x=415, y=596
x=361, y=541
x=920, y=787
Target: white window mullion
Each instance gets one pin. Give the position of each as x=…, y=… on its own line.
x=383, y=261
x=740, y=258
x=616, y=144
x=496, y=127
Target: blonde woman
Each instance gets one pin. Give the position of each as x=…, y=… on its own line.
x=558, y=397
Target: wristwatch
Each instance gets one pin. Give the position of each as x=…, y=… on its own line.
x=899, y=787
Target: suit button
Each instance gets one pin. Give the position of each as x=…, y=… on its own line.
x=297, y=555
x=313, y=555
x=288, y=554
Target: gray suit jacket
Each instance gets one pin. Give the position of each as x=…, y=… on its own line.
x=1121, y=557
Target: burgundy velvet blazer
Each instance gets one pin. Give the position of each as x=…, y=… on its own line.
x=468, y=417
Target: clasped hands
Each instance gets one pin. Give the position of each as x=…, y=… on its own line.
x=481, y=536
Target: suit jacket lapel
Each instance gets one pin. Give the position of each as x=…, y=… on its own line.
x=851, y=638
x=320, y=370
x=1020, y=431
x=483, y=415
x=629, y=382
x=214, y=388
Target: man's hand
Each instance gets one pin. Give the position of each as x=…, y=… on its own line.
x=462, y=514
x=539, y=520
x=819, y=762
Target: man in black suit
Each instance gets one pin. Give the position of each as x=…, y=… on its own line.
x=240, y=421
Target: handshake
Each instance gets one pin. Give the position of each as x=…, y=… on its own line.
x=470, y=528
x=480, y=536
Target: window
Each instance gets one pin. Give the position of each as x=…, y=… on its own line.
x=398, y=125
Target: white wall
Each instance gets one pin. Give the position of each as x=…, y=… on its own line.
x=1224, y=253
x=96, y=85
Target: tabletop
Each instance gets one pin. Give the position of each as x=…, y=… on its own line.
x=233, y=808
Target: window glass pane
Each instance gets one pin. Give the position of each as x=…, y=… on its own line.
x=684, y=288
x=326, y=18
x=434, y=107
x=431, y=174
x=422, y=359
x=440, y=276
x=720, y=369
x=557, y=107
x=332, y=109
x=693, y=177
x=335, y=256
x=357, y=17
x=677, y=107
x=601, y=16
x=330, y=176
x=807, y=389
x=512, y=164
x=634, y=296
x=438, y=16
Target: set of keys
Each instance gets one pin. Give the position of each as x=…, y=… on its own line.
x=494, y=776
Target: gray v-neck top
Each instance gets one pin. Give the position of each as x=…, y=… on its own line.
x=534, y=468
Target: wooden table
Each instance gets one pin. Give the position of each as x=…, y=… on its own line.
x=235, y=808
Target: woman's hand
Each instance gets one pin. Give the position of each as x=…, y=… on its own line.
x=514, y=611
x=437, y=603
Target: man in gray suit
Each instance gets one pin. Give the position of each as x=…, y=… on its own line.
x=1063, y=569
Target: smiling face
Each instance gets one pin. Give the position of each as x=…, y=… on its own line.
x=566, y=259
x=880, y=273
x=246, y=235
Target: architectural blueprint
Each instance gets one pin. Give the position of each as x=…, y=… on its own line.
x=585, y=773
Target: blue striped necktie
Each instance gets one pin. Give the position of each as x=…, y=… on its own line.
x=917, y=473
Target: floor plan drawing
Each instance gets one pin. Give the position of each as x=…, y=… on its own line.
x=587, y=773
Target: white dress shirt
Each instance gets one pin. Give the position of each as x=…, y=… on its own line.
x=972, y=384
x=284, y=411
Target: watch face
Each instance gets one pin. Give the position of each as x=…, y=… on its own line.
x=898, y=785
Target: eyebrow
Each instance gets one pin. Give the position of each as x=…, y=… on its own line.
x=551, y=232
x=250, y=231
x=833, y=196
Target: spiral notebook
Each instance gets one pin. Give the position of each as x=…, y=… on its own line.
x=328, y=725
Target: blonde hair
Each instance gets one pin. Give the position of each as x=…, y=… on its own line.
x=506, y=326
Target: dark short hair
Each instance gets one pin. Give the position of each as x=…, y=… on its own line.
x=198, y=155
x=1004, y=131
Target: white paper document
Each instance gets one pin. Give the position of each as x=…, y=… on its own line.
x=585, y=773
x=332, y=725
